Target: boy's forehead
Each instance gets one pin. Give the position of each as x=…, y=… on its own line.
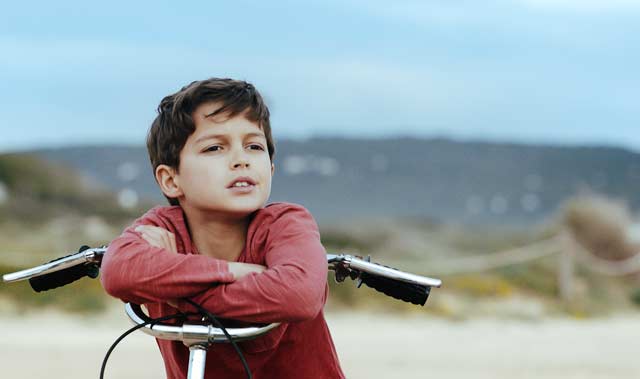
x=207, y=110
x=222, y=123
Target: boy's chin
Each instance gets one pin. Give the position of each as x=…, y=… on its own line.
x=235, y=210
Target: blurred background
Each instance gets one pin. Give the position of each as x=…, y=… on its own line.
x=494, y=145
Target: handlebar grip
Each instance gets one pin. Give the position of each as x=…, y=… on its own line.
x=409, y=292
x=63, y=277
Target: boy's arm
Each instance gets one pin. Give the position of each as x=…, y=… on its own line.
x=293, y=286
x=136, y=271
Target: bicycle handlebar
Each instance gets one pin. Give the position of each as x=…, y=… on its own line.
x=390, y=281
x=84, y=257
x=192, y=334
x=365, y=265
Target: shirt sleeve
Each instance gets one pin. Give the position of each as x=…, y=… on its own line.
x=134, y=271
x=292, y=288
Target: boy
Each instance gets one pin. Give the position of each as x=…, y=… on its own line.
x=219, y=245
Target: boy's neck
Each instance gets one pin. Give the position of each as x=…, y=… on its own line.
x=217, y=236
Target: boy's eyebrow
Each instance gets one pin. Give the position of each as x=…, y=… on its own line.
x=222, y=136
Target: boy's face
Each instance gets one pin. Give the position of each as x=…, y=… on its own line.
x=224, y=165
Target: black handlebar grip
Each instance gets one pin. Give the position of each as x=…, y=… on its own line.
x=409, y=292
x=63, y=277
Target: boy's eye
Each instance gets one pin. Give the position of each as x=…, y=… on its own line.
x=213, y=148
x=256, y=147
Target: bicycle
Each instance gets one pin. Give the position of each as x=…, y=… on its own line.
x=199, y=337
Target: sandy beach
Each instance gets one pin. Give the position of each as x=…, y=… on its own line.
x=369, y=346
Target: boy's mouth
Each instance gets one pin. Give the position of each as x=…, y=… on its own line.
x=242, y=187
x=242, y=182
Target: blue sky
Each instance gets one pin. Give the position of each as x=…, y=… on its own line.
x=539, y=71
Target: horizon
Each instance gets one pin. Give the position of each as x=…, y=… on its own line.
x=481, y=141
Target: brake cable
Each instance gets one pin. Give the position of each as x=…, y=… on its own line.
x=183, y=317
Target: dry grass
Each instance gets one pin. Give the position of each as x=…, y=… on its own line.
x=600, y=225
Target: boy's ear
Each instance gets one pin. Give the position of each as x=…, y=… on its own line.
x=167, y=179
x=273, y=167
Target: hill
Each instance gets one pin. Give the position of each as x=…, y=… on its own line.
x=433, y=179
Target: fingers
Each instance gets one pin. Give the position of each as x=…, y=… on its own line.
x=172, y=240
x=154, y=240
x=240, y=270
x=158, y=237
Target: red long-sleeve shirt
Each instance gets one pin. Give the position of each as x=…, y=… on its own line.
x=292, y=290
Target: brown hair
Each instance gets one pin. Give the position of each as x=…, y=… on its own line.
x=174, y=123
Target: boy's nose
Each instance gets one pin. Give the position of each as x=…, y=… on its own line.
x=239, y=157
x=241, y=164
x=240, y=160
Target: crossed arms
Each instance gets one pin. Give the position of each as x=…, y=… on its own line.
x=143, y=266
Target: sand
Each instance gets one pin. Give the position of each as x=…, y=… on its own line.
x=369, y=346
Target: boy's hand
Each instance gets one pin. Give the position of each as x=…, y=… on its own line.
x=158, y=237
x=239, y=269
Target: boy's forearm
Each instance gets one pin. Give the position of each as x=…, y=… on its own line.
x=261, y=299
x=135, y=271
x=286, y=292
